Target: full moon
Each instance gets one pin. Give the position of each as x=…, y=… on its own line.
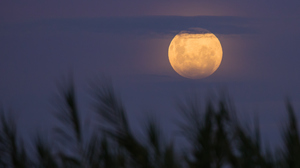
x=195, y=54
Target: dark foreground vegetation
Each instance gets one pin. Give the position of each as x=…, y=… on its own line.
x=216, y=139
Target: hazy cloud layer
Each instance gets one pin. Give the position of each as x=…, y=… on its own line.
x=147, y=25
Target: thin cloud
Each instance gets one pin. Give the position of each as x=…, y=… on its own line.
x=147, y=25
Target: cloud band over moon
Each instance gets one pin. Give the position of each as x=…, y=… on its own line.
x=147, y=25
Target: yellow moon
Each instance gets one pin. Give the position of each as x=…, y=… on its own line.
x=195, y=54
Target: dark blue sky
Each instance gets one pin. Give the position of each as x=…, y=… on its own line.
x=42, y=41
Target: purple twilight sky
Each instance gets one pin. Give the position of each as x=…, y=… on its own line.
x=42, y=41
